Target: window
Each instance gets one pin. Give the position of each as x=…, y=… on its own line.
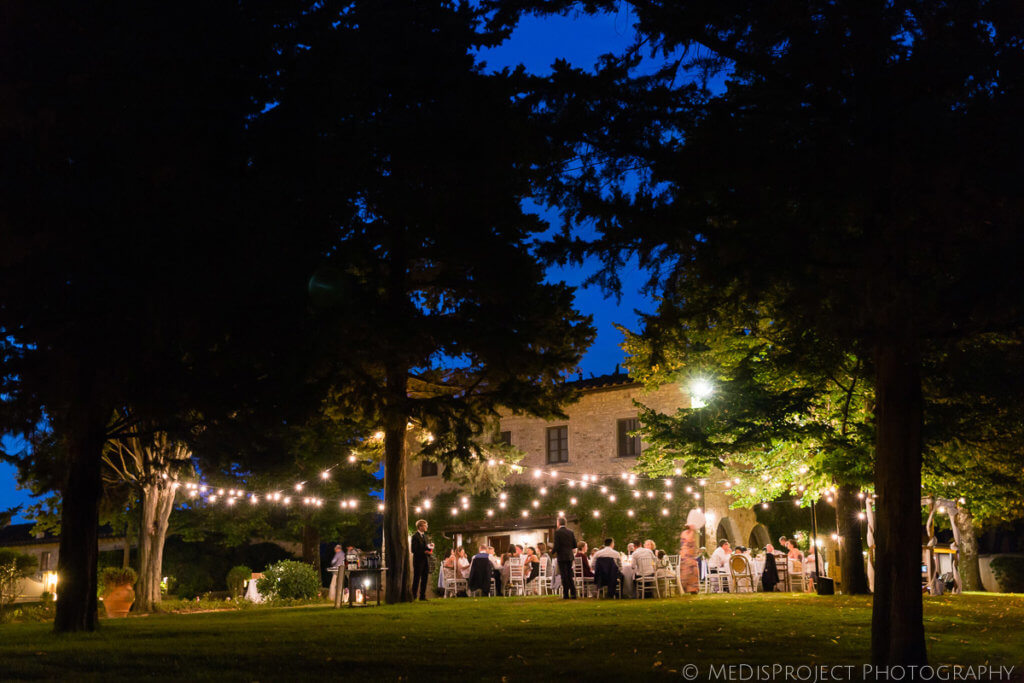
x=44, y=562
x=558, y=444
x=429, y=469
x=505, y=438
x=629, y=446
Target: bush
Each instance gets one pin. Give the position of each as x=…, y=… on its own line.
x=14, y=567
x=111, y=577
x=236, y=580
x=1009, y=572
x=289, y=579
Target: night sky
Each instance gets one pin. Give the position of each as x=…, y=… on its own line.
x=535, y=44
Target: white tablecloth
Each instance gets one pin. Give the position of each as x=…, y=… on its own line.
x=253, y=595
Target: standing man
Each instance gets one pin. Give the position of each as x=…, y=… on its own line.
x=564, y=549
x=421, y=550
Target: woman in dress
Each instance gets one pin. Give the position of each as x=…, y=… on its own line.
x=689, y=575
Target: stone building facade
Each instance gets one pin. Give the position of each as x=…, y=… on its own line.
x=594, y=440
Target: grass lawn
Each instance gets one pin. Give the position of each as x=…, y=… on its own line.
x=512, y=639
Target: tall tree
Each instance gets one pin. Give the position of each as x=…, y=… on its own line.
x=420, y=160
x=854, y=177
x=135, y=256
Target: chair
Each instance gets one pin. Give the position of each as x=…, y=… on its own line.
x=543, y=579
x=582, y=582
x=516, y=579
x=481, y=577
x=673, y=584
x=453, y=583
x=607, y=577
x=782, y=567
x=716, y=580
x=741, y=573
x=646, y=576
x=798, y=577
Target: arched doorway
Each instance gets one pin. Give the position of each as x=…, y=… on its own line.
x=759, y=537
x=727, y=529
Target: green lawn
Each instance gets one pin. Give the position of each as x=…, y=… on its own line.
x=514, y=639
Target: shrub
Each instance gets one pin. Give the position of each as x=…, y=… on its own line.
x=236, y=580
x=1009, y=572
x=289, y=579
x=14, y=567
x=110, y=577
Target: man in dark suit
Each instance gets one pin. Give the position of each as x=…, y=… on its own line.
x=564, y=549
x=421, y=550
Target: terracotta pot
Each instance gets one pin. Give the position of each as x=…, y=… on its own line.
x=118, y=600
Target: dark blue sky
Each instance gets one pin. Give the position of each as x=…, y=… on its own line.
x=535, y=44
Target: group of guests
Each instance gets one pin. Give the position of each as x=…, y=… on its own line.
x=719, y=560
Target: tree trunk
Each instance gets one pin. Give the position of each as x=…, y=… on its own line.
x=311, y=545
x=970, y=571
x=126, y=555
x=897, y=628
x=157, y=504
x=851, y=550
x=396, y=511
x=80, y=506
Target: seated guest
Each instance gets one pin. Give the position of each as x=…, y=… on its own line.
x=662, y=560
x=481, y=571
x=581, y=552
x=646, y=554
x=531, y=564
x=794, y=552
x=545, y=557
x=606, y=568
x=720, y=558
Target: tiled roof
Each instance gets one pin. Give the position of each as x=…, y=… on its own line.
x=21, y=534
x=615, y=379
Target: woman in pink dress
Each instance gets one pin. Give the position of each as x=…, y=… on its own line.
x=689, y=575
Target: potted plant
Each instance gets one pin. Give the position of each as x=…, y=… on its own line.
x=116, y=589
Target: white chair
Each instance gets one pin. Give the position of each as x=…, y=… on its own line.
x=453, y=583
x=543, y=579
x=798, y=578
x=645, y=577
x=670, y=575
x=741, y=573
x=516, y=580
x=717, y=580
x=584, y=584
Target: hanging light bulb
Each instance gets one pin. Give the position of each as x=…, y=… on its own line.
x=861, y=515
x=427, y=504
x=668, y=483
x=416, y=509
x=611, y=498
x=537, y=473
x=703, y=482
x=597, y=513
x=650, y=494
x=572, y=484
x=325, y=474
x=543, y=491
x=490, y=513
x=502, y=505
x=629, y=513
x=696, y=495
x=380, y=507
x=752, y=489
x=287, y=500
x=352, y=458
x=554, y=473
x=689, y=489
x=604, y=489
x=623, y=475
x=764, y=506
x=572, y=501
x=464, y=500
x=678, y=471
x=526, y=513
x=668, y=495
x=298, y=487
x=502, y=496
x=455, y=511
x=636, y=494
x=664, y=512
x=560, y=513
x=536, y=504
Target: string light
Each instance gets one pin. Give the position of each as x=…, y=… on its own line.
x=664, y=512
x=526, y=513
x=572, y=501
x=611, y=498
x=490, y=513
x=679, y=471
x=629, y=513
x=325, y=474
x=597, y=513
